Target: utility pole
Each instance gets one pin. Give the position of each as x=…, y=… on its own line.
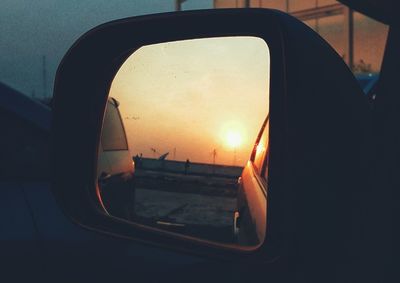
x=349, y=15
x=44, y=74
x=316, y=19
x=174, y=153
x=214, y=155
x=351, y=39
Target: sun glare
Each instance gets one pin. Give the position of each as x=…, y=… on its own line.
x=233, y=139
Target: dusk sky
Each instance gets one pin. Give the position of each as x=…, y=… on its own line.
x=195, y=96
x=30, y=29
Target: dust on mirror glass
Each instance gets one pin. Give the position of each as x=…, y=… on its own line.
x=184, y=144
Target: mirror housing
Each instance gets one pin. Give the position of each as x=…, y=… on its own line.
x=318, y=136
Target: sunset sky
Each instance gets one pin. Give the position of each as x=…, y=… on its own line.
x=191, y=97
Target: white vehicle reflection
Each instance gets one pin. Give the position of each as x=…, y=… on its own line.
x=115, y=168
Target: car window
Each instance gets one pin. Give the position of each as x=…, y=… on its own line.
x=358, y=39
x=262, y=149
x=113, y=133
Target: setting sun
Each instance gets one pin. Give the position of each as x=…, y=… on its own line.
x=233, y=139
x=202, y=100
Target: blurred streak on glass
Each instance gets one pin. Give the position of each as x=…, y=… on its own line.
x=192, y=112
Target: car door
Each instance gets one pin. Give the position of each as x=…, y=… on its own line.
x=385, y=170
x=314, y=163
x=24, y=166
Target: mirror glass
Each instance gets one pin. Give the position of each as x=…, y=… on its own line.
x=184, y=143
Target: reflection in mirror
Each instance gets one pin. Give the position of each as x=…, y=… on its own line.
x=184, y=145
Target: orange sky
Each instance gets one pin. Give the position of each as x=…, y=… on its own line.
x=195, y=96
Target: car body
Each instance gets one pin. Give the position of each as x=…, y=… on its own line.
x=25, y=143
x=249, y=217
x=115, y=168
x=50, y=233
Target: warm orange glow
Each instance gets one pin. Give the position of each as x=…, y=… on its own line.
x=260, y=148
x=202, y=99
x=233, y=139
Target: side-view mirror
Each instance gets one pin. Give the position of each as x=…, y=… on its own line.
x=233, y=133
x=191, y=111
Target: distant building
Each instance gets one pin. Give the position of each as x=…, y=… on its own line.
x=357, y=38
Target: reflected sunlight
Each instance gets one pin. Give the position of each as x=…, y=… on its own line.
x=191, y=111
x=177, y=97
x=233, y=139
